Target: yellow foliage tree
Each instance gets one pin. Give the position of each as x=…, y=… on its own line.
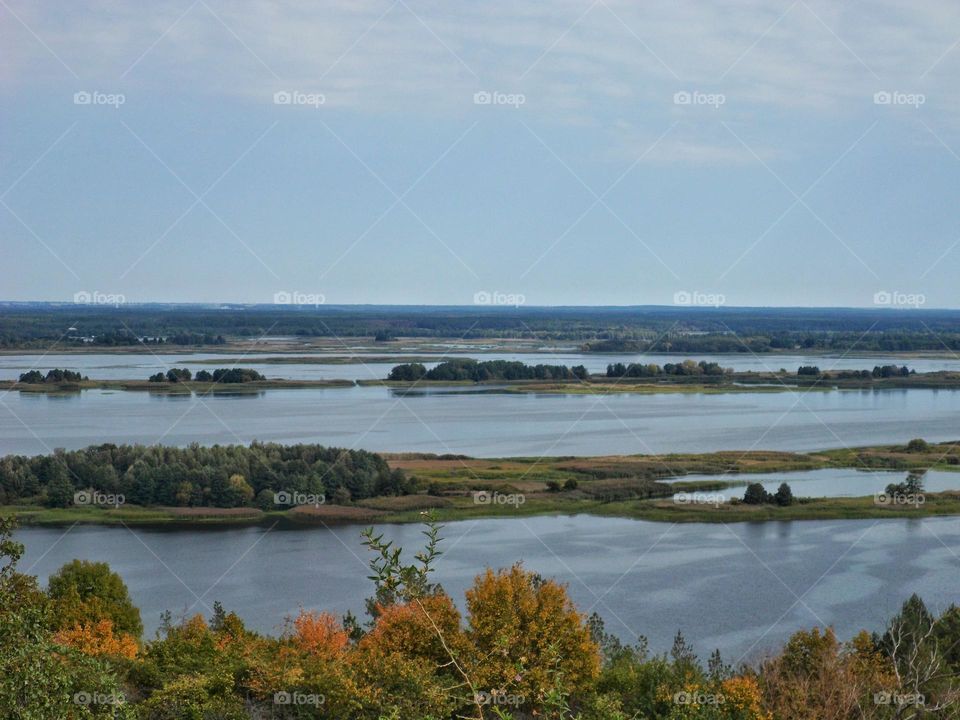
x=98, y=640
x=528, y=638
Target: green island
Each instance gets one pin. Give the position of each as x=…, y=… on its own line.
x=505, y=376
x=309, y=485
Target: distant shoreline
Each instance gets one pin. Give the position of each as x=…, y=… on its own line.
x=737, y=382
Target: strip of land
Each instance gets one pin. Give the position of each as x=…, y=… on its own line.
x=459, y=487
x=595, y=385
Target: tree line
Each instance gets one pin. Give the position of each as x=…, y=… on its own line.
x=220, y=375
x=623, y=329
x=218, y=476
x=687, y=367
x=36, y=377
x=879, y=371
x=481, y=371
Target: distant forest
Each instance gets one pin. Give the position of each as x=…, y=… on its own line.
x=218, y=476
x=595, y=329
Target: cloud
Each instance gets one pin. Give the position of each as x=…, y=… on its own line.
x=576, y=62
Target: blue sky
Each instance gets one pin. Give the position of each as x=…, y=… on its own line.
x=628, y=151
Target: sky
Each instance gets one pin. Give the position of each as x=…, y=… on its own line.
x=590, y=152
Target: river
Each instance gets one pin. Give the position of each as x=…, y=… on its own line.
x=743, y=588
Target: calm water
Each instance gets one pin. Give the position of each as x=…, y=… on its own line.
x=378, y=418
x=831, y=482
x=743, y=587
x=141, y=365
x=735, y=587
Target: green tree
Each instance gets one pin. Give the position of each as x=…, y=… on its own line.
x=84, y=592
x=756, y=495
x=59, y=487
x=783, y=496
x=40, y=680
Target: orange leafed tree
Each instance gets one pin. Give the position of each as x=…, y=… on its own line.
x=319, y=633
x=98, y=639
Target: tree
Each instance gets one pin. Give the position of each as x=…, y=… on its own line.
x=178, y=375
x=783, y=496
x=98, y=639
x=318, y=633
x=756, y=495
x=59, y=485
x=528, y=637
x=86, y=592
x=39, y=678
x=238, y=492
